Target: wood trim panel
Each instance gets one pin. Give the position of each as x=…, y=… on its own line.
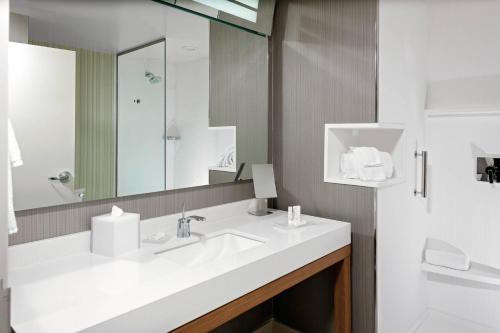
x=342, y=296
x=239, y=306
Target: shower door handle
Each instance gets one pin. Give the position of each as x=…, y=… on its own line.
x=423, y=186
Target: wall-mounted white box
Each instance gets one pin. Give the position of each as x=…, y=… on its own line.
x=113, y=236
x=385, y=137
x=222, y=137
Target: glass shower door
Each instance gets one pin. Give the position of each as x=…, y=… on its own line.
x=141, y=120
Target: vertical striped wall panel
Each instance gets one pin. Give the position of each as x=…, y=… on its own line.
x=239, y=93
x=42, y=223
x=95, y=128
x=324, y=71
x=95, y=124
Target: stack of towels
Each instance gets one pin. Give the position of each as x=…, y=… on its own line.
x=228, y=158
x=367, y=164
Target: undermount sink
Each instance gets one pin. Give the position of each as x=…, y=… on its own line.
x=210, y=248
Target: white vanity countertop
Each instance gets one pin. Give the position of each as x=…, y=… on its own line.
x=59, y=286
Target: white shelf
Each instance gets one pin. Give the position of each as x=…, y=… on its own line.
x=357, y=182
x=477, y=273
x=222, y=128
x=364, y=126
x=223, y=169
x=460, y=113
x=221, y=138
x=386, y=137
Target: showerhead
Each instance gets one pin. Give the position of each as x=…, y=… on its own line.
x=153, y=79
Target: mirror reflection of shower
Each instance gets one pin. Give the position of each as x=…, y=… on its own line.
x=141, y=147
x=153, y=79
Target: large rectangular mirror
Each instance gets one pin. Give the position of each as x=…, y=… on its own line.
x=114, y=98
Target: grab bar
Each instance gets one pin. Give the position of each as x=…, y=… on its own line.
x=423, y=189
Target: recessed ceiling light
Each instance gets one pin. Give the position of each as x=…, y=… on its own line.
x=189, y=48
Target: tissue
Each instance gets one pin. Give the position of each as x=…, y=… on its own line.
x=116, y=211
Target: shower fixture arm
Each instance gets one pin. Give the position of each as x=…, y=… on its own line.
x=492, y=173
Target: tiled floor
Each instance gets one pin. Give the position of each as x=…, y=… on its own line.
x=438, y=322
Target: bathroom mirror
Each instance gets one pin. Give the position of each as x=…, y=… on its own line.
x=252, y=15
x=116, y=98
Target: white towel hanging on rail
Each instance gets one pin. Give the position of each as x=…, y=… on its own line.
x=14, y=160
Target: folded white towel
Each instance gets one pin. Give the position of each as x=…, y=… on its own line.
x=367, y=156
x=367, y=164
x=347, y=167
x=388, y=164
x=373, y=173
x=11, y=217
x=227, y=159
x=14, y=160
x=14, y=151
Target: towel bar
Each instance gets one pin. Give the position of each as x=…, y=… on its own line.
x=423, y=189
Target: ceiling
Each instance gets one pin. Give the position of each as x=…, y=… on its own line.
x=113, y=26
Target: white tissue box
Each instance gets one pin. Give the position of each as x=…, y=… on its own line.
x=113, y=236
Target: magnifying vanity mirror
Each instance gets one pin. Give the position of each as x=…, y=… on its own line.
x=116, y=98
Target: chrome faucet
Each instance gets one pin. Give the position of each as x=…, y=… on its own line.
x=183, y=226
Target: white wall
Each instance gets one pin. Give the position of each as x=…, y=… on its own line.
x=189, y=159
x=464, y=212
x=464, y=53
x=42, y=112
x=4, y=38
x=464, y=75
x=401, y=226
x=110, y=26
x=171, y=124
x=18, y=28
x=192, y=158
x=141, y=125
x=451, y=48
x=187, y=94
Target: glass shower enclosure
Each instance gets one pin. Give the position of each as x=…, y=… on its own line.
x=141, y=119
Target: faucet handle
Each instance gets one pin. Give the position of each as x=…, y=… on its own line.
x=492, y=173
x=183, y=228
x=197, y=218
